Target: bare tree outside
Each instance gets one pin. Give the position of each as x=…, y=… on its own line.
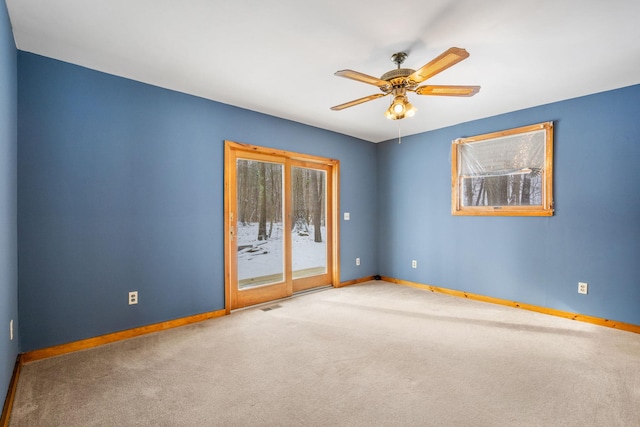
x=317, y=192
x=262, y=201
x=308, y=193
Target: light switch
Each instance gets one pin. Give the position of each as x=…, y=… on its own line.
x=347, y=216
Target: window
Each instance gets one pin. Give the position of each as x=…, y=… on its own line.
x=504, y=173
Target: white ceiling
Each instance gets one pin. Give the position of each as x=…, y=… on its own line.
x=278, y=57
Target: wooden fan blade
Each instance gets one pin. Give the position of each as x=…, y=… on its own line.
x=447, y=59
x=364, y=78
x=448, y=90
x=358, y=101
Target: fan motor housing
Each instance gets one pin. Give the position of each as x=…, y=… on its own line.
x=398, y=77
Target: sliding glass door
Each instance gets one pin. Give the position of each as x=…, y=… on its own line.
x=280, y=211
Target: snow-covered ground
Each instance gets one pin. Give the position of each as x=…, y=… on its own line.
x=263, y=258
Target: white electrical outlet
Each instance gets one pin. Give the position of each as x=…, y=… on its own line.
x=11, y=329
x=133, y=297
x=414, y=264
x=583, y=288
x=357, y=261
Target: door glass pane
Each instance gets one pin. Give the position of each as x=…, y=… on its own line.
x=259, y=223
x=308, y=234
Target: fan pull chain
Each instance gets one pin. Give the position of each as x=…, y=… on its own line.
x=399, y=134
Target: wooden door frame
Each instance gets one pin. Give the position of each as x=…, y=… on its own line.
x=230, y=182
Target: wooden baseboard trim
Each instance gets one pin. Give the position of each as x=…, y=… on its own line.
x=11, y=393
x=356, y=281
x=117, y=336
x=629, y=327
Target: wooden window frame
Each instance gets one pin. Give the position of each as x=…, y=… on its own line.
x=543, y=209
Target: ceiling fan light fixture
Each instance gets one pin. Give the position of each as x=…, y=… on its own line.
x=392, y=115
x=411, y=110
x=400, y=108
x=389, y=114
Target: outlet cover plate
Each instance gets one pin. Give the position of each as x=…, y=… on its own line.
x=133, y=297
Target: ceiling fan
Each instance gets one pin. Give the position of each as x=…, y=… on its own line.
x=402, y=80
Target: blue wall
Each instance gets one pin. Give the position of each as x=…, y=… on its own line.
x=594, y=235
x=8, y=201
x=121, y=188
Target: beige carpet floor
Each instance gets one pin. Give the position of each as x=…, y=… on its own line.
x=375, y=354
